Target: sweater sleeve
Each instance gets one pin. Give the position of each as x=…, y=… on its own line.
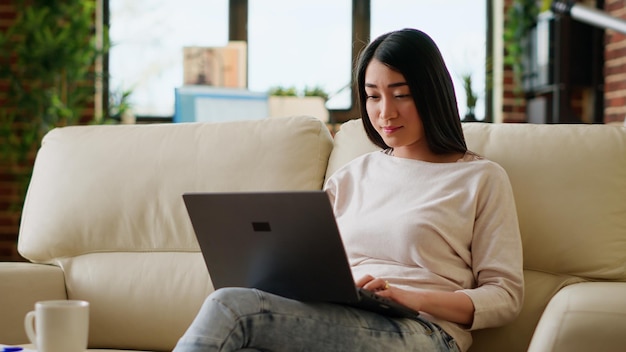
x=496, y=254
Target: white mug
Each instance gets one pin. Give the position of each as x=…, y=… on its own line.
x=59, y=326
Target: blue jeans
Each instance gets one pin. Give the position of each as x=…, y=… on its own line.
x=239, y=319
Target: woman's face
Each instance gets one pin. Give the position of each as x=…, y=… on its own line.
x=393, y=113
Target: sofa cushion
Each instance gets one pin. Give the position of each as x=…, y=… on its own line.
x=570, y=191
x=584, y=317
x=118, y=188
x=138, y=300
x=516, y=336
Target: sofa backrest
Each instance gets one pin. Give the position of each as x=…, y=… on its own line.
x=95, y=185
x=105, y=204
x=569, y=183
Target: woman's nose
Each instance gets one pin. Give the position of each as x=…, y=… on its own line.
x=388, y=110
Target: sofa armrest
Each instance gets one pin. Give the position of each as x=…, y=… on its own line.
x=588, y=316
x=21, y=285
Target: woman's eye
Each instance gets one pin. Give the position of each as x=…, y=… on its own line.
x=399, y=96
x=372, y=97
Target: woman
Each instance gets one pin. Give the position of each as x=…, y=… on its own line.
x=424, y=222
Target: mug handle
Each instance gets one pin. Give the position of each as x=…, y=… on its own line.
x=28, y=326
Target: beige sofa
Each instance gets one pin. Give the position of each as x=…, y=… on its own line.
x=104, y=222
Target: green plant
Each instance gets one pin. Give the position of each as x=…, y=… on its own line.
x=46, y=62
x=283, y=92
x=316, y=91
x=119, y=104
x=520, y=18
x=470, y=95
x=293, y=92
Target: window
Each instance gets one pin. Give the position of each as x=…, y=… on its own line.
x=301, y=44
x=148, y=37
x=459, y=27
x=290, y=44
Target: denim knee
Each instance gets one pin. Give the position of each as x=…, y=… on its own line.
x=240, y=301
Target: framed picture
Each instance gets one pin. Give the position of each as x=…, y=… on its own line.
x=216, y=66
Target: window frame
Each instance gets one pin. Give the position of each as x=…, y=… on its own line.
x=361, y=24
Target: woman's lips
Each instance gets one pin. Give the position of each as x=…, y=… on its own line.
x=390, y=129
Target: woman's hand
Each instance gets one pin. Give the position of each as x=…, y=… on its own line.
x=456, y=307
x=371, y=283
x=384, y=289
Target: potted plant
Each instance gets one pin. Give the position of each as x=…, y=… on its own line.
x=470, y=98
x=284, y=102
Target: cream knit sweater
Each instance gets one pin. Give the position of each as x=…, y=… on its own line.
x=436, y=226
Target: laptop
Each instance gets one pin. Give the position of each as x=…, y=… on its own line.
x=285, y=243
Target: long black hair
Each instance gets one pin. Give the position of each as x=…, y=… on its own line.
x=416, y=56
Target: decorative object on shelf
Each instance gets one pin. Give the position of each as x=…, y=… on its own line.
x=224, y=66
x=288, y=101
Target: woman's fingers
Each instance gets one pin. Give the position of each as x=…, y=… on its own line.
x=371, y=283
x=364, y=280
